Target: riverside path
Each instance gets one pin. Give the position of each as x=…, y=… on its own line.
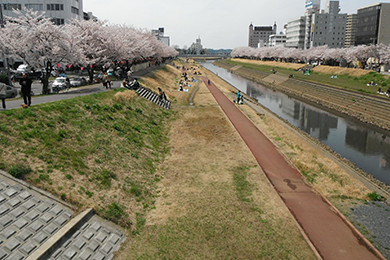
x=328, y=230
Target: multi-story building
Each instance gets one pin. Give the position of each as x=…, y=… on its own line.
x=277, y=40
x=260, y=35
x=312, y=8
x=196, y=47
x=160, y=36
x=373, y=24
x=295, y=33
x=60, y=11
x=350, y=30
x=326, y=28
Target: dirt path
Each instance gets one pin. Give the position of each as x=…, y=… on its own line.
x=214, y=201
x=331, y=234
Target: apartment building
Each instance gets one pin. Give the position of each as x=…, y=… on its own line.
x=328, y=27
x=295, y=33
x=60, y=11
x=373, y=24
x=350, y=30
x=259, y=35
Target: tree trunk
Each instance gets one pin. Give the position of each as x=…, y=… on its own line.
x=45, y=79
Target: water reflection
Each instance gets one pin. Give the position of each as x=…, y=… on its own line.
x=365, y=147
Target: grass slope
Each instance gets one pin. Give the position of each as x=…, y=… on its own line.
x=97, y=151
x=322, y=75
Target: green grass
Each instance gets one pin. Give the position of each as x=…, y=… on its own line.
x=98, y=139
x=357, y=84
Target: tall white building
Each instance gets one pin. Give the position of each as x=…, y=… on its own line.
x=295, y=33
x=60, y=11
x=159, y=33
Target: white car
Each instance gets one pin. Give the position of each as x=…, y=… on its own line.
x=59, y=84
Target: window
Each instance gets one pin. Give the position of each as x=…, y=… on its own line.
x=35, y=7
x=10, y=7
x=55, y=7
x=58, y=21
x=75, y=10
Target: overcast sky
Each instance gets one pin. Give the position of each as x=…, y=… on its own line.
x=219, y=23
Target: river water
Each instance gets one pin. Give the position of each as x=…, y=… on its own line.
x=367, y=148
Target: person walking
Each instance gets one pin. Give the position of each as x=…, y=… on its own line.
x=239, y=97
x=26, y=83
x=3, y=93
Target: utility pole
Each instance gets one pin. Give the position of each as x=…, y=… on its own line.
x=5, y=64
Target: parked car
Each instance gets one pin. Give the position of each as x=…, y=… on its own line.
x=11, y=92
x=77, y=82
x=59, y=84
x=31, y=72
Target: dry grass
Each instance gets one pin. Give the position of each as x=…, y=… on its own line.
x=326, y=175
x=199, y=213
x=341, y=71
x=294, y=66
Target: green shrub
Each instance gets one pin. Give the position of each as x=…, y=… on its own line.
x=375, y=196
x=19, y=171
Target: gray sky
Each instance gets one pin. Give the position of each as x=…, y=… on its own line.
x=219, y=23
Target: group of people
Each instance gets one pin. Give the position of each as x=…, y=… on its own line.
x=387, y=93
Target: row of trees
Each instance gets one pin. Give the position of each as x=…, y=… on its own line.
x=34, y=39
x=374, y=55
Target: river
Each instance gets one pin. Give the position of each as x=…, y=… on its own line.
x=367, y=148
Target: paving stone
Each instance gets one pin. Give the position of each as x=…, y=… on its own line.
x=16, y=256
x=2, y=199
x=40, y=237
x=25, y=195
x=114, y=238
x=29, y=204
x=70, y=253
x=47, y=217
x=51, y=228
x=28, y=248
x=36, y=225
x=9, y=232
x=21, y=223
x=5, y=220
x=85, y=226
x=14, y=202
x=3, y=254
x=56, y=253
x=79, y=243
x=85, y=255
x=101, y=237
x=76, y=234
x=12, y=244
x=99, y=256
x=106, y=248
x=88, y=234
x=10, y=192
x=24, y=235
x=3, y=209
x=93, y=245
x=57, y=209
x=44, y=206
x=96, y=226
x=67, y=243
x=61, y=220
x=16, y=213
x=32, y=214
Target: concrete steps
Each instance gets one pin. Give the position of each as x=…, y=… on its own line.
x=153, y=97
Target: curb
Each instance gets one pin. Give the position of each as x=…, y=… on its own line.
x=44, y=251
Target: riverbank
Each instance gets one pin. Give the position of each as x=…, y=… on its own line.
x=367, y=108
x=333, y=176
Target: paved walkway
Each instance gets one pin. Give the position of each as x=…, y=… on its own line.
x=35, y=225
x=331, y=234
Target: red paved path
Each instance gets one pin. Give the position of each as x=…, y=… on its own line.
x=332, y=235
